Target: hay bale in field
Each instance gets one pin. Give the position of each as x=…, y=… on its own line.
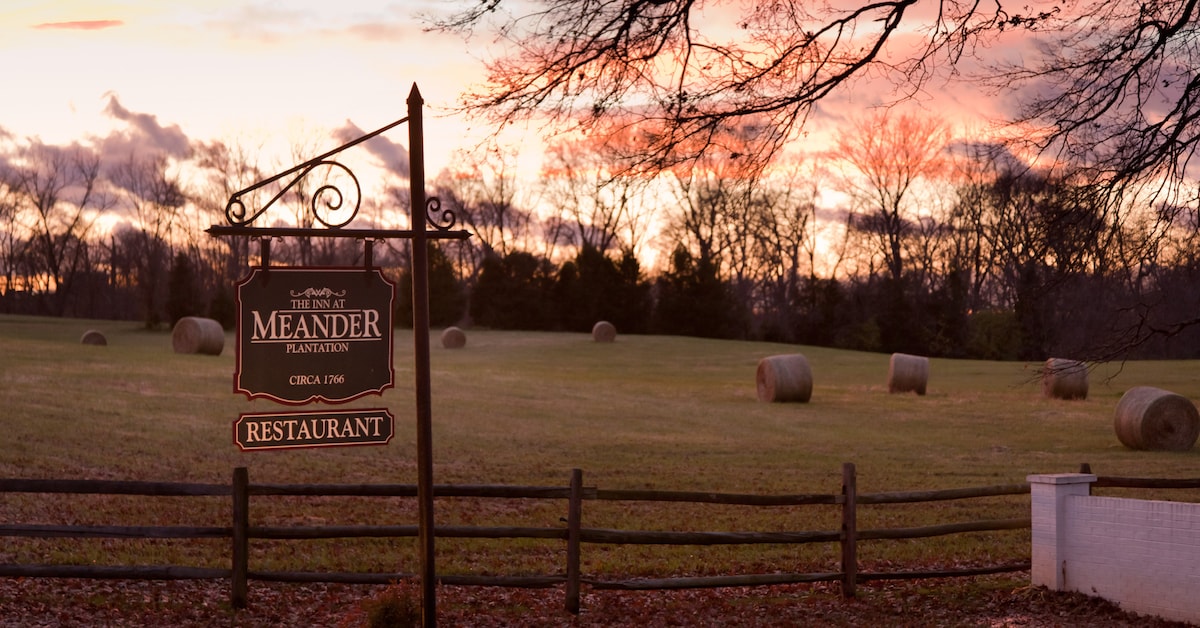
x=93, y=337
x=604, y=331
x=193, y=334
x=1156, y=419
x=784, y=378
x=908, y=373
x=1065, y=379
x=454, y=338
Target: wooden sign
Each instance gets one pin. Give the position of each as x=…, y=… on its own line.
x=293, y=430
x=314, y=334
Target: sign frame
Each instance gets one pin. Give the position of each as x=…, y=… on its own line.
x=299, y=340
x=288, y=427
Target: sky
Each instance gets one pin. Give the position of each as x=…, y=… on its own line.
x=307, y=73
x=218, y=69
x=230, y=68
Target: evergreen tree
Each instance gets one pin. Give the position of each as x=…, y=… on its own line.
x=594, y=287
x=632, y=303
x=447, y=299
x=183, y=298
x=223, y=309
x=693, y=301
x=514, y=292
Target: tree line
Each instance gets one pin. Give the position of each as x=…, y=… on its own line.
x=1101, y=96
x=899, y=237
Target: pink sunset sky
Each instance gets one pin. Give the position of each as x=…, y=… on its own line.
x=252, y=69
x=310, y=74
x=215, y=69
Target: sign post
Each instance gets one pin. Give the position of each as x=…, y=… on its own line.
x=325, y=335
x=420, y=288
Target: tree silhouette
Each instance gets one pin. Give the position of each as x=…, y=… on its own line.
x=675, y=70
x=1109, y=92
x=693, y=301
x=447, y=301
x=154, y=197
x=59, y=193
x=892, y=155
x=514, y=292
x=183, y=298
x=593, y=287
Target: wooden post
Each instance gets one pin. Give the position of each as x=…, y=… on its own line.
x=574, y=519
x=849, y=530
x=420, y=294
x=241, y=537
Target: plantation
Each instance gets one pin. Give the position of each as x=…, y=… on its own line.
x=524, y=408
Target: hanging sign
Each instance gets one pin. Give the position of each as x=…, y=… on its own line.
x=292, y=430
x=314, y=334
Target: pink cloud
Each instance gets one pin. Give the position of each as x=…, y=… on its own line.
x=393, y=156
x=80, y=25
x=144, y=134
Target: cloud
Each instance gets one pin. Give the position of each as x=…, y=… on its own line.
x=394, y=157
x=383, y=32
x=80, y=25
x=996, y=153
x=144, y=134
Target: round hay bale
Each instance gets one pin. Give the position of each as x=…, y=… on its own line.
x=908, y=373
x=454, y=338
x=784, y=378
x=193, y=334
x=604, y=331
x=93, y=337
x=1065, y=379
x=1155, y=419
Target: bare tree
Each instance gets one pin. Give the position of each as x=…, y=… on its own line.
x=9, y=237
x=784, y=243
x=483, y=191
x=1118, y=92
x=893, y=155
x=682, y=73
x=711, y=214
x=225, y=168
x=595, y=192
x=154, y=196
x=1110, y=91
x=60, y=193
x=976, y=168
x=1032, y=236
x=681, y=76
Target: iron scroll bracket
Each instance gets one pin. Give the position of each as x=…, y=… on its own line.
x=236, y=212
x=325, y=201
x=328, y=199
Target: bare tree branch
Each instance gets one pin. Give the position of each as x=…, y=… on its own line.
x=682, y=79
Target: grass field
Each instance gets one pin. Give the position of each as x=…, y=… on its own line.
x=525, y=408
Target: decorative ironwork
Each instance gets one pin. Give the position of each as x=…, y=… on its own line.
x=313, y=293
x=443, y=222
x=331, y=197
x=326, y=201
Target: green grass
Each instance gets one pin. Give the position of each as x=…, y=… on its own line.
x=647, y=412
